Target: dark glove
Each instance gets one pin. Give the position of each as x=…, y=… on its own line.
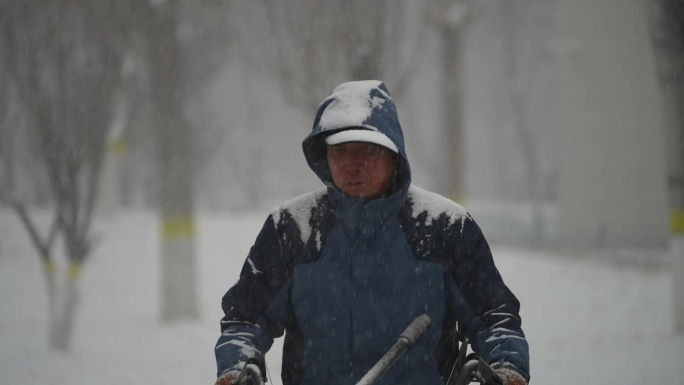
x=229, y=378
x=510, y=377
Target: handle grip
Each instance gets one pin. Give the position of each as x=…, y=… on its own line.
x=407, y=339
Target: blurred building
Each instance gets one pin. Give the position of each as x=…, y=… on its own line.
x=569, y=124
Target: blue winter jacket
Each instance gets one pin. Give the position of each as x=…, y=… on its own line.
x=342, y=277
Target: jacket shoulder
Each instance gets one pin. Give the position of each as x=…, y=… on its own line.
x=303, y=216
x=300, y=207
x=428, y=207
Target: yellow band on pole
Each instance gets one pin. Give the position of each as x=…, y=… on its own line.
x=74, y=270
x=178, y=227
x=677, y=222
x=48, y=266
x=117, y=146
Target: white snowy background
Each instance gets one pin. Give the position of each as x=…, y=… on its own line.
x=590, y=318
x=587, y=322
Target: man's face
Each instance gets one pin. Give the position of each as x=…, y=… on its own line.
x=360, y=169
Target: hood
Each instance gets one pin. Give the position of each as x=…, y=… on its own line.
x=356, y=105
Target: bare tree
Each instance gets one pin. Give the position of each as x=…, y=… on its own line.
x=669, y=44
x=534, y=182
x=175, y=151
x=310, y=46
x=669, y=49
x=203, y=39
x=451, y=18
x=64, y=59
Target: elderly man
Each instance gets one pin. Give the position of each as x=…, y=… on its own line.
x=344, y=269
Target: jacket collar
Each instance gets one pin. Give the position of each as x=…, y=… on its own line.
x=365, y=218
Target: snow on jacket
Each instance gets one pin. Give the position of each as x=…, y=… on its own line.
x=342, y=277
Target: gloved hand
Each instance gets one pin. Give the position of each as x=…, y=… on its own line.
x=229, y=378
x=510, y=377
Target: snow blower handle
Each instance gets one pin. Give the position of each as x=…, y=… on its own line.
x=250, y=374
x=415, y=330
x=406, y=340
x=486, y=374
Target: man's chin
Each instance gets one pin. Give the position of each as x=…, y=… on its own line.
x=360, y=192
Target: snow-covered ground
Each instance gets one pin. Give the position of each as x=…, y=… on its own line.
x=587, y=322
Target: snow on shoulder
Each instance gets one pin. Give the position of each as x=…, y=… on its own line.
x=300, y=208
x=352, y=105
x=435, y=205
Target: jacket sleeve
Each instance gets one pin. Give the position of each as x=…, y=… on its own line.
x=255, y=307
x=494, y=327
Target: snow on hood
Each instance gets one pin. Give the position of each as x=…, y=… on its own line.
x=365, y=105
x=351, y=104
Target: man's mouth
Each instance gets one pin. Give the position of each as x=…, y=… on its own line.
x=354, y=183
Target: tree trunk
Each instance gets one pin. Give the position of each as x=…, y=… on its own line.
x=50, y=287
x=62, y=322
x=110, y=199
x=175, y=181
x=454, y=180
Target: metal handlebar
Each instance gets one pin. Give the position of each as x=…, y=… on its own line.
x=250, y=375
x=476, y=369
x=406, y=340
x=466, y=368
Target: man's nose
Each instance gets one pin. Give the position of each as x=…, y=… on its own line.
x=353, y=164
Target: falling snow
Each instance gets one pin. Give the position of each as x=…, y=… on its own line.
x=586, y=322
